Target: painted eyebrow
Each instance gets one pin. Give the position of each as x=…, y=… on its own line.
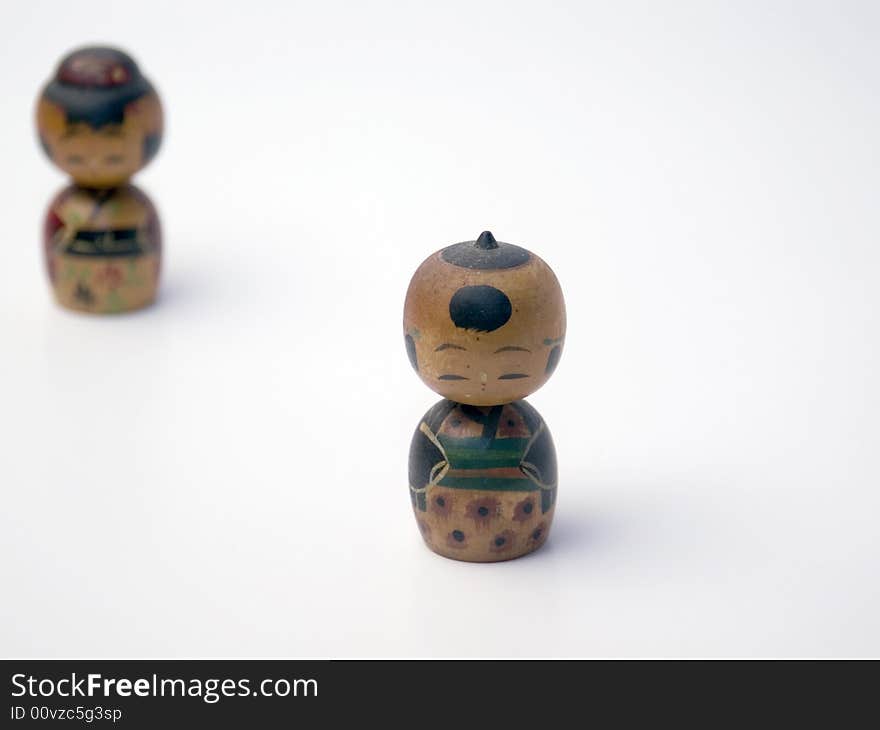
x=511, y=348
x=512, y=376
x=451, y=376
x=448, y=346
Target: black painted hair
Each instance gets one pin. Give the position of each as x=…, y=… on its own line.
x=485, y=253
x=411, y=352
x=94, y=99
x=553, y=359
x=480, y=308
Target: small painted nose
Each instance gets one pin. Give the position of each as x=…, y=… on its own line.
x=483, y=377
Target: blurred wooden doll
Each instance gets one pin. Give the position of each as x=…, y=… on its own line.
x=100, y=121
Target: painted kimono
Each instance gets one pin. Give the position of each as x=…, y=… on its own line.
x=482, y=473
x=103, y=249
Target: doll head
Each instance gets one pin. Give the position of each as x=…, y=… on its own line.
x=484, y=322
x=98, y=118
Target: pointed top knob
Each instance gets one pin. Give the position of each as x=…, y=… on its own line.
x=486, y=241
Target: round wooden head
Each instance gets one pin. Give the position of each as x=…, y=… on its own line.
x=98, y=118
x=484, y=322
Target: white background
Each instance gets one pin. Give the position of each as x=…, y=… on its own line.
x=225, y=473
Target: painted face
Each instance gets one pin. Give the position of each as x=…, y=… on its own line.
x=484, y=322
x=99, y=119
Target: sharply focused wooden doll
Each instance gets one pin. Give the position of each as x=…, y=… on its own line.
x=484, y=324
x=100, y=121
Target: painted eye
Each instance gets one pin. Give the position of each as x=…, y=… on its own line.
x=512, y=376
x=75, y=159
x=114, y=159
x=450, y=376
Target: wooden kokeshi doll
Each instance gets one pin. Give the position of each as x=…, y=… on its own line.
x=484, y=325
x=100, y=120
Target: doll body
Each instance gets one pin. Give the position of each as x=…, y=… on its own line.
x=483, y=480
x=484, y=325
x=103, y=249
